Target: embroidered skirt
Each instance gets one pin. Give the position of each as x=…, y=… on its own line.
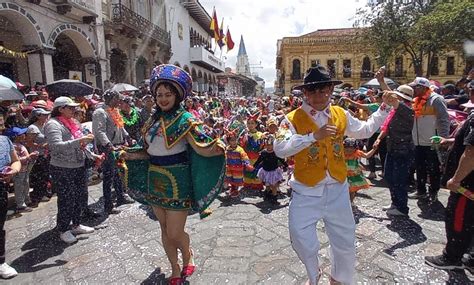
x=170, y=187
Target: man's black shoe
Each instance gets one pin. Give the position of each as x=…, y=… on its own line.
x=125, y=199
x=89, y=213
x=441, y=262
x=418, y=196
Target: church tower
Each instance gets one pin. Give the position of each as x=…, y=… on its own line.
x=243, y=66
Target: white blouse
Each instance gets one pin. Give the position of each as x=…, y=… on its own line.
x=158, y=146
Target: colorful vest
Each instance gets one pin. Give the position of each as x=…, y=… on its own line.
x=312, y=163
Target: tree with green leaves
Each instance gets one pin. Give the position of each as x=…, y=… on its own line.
x=422, y=29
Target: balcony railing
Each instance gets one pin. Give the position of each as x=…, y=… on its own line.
x=127, y=17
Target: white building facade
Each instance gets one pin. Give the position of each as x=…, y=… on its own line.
x=45, y=41
x=136, y=38
x=191, y=40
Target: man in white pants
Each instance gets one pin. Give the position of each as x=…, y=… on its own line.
x=314, y=135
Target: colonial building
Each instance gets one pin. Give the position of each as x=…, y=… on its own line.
x=43, y=41
x=233, y=84
x=191, y=41
x=136, y=38
x=352, y=63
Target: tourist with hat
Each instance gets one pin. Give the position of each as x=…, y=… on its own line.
x=184, y=169
x=313, y=134
x=431, y=119
x=108, y=127
x=397, y=131
x=66, y=145
x=21, y=181
x=36, y=141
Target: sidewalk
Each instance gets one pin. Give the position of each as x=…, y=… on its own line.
x=242, y=242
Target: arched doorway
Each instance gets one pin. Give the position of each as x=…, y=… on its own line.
x=74, y=55
x=140, y=69
x=19, y=32
x=296, y=70
x=194, y=77
x=67, y=58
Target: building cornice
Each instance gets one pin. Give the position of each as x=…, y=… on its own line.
x=198, y=13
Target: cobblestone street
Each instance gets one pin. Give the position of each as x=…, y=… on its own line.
x=243, y=242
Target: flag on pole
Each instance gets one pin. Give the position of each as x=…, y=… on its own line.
x=215, y=25
x=228, y=40
x=221, y=40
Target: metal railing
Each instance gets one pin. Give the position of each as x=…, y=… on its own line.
x=121, y=14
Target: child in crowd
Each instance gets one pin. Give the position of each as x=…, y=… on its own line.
x=218, y=129
x=21, y=180
x=252, y=143
x=209, y=123
x=272, y=126
x=236, y=162
x=355, y=177
x=270, y=171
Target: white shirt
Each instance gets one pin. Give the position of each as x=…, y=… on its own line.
x=157, y=147
x=293, y=142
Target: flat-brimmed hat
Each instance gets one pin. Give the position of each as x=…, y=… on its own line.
x=178, y=77
x=64, y=101
x=317, y=75
x=405, y=91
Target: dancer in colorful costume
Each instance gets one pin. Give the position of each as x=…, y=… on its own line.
x=314, y=133
x=236, y=162
x=355, y=176
x=184, y=168
x=252, y=143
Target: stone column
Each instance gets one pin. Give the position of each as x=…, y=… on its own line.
x=40, y=66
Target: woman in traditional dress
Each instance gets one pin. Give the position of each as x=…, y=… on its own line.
x=185, y=166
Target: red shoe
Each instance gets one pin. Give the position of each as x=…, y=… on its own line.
x=175, y=281
x=189, y=269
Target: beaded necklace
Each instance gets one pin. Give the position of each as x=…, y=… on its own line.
x=133, y=118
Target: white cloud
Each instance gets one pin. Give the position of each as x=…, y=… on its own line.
x=263, y=22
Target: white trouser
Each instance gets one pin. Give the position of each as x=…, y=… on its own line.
x=334, y=208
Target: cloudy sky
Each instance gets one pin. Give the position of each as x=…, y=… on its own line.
x=262, y=22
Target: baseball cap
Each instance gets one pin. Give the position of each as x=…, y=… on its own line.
x=420, y=81
x=14, y=132
x=39, y=111
x=63, y=102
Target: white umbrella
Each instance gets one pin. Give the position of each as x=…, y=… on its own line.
x=373, y=83
x=124, y=87
x=9, y=90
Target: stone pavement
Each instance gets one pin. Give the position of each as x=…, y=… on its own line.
x=243, y=242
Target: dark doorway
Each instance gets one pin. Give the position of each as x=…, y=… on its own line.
x=6, y=69
x=66, y=58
